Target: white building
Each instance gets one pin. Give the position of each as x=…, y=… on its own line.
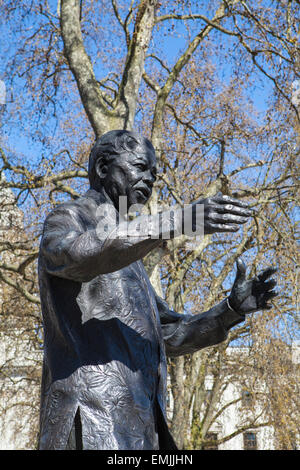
x=19, y=361
x=236, y=417
x=18, y=392
x=237, y=412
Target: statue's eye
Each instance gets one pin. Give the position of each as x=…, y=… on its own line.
x=141, y=166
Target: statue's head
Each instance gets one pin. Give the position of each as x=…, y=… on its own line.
x=124, y=164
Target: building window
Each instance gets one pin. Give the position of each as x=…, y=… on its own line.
x=210, y=443
x=250, y=442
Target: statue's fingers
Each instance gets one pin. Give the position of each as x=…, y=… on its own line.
x=227, y=218
x=240, y=271
x=269, y=295
x=223, y=227
x=269, y=285
x=266, y=306
x=266, y=273
x=232, y=209
x=224, y=199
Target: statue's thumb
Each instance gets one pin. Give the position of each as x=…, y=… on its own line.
x=241, y=271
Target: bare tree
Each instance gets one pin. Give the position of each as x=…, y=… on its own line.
x=88, y=67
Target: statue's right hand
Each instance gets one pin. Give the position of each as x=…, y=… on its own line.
x=223, y=213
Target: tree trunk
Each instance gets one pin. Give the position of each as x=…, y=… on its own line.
x=121, y=113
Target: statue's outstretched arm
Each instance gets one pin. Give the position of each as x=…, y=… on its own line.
x=184, y=334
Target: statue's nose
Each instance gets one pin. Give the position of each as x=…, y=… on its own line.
x=149, y=178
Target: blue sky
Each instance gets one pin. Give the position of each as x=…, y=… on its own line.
x=171, y=43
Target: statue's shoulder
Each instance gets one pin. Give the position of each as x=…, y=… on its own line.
x=79, y=209
x=66, y=207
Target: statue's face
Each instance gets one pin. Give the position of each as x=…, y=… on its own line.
x=131, y=175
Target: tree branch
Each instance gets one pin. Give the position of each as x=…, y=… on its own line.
x=174, y=74
x=81, y=67
x=212, y=23
x=19, y=288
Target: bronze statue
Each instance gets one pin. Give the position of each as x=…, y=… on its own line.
x=106, y=332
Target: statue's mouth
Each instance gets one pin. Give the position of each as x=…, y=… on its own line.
x=144, y=190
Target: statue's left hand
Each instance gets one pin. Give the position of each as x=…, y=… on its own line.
x=254, y=294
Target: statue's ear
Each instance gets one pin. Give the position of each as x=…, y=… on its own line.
x=101, y=168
